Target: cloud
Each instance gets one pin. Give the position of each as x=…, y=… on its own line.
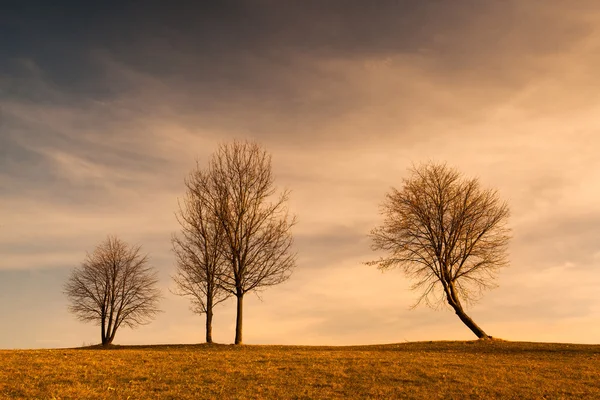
x=100, y=122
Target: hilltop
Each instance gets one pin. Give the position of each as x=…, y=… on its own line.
x=442, y=369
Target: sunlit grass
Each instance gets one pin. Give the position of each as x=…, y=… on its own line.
x=492, y=369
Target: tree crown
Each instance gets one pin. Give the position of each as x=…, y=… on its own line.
x=114, y=286
x=446, y=232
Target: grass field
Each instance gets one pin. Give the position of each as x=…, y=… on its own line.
x=433, y=370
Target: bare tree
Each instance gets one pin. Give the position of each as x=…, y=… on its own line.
x=114, y=286
x=198, y=249
x=255, y=222
x=447, y=233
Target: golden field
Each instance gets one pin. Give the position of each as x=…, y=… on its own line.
x=432, y=370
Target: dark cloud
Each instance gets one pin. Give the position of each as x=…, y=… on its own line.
x=104, y=107
x=306, y=73
x=231, y=55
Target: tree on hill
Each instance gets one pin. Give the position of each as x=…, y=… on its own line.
x=254, y=226
x=199, y=250
x=448, y=235
x=114, y=286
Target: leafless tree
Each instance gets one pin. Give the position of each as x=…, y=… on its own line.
x=199, y=248
x=447, y=233
x=255, y=222
x=114, y=286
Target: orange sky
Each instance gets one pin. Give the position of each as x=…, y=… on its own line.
x=100, y=122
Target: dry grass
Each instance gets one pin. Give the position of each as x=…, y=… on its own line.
x=433, y=370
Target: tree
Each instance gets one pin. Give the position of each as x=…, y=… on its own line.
x=198, y=249
x=447, y=233
x=114, y=286
x=256, y=226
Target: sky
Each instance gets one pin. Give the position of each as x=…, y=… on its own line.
x=106, y=107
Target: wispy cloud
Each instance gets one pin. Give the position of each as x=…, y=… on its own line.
x=99, y=128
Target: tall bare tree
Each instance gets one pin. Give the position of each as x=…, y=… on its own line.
x=199, y=248
x=447, y=233
x=114, y=286
x=254, y=219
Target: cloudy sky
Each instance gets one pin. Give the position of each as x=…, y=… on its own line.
x=104, y=109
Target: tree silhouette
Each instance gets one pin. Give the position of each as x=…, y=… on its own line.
x=114, y=286
x=198, y=249
x=448, y=235
x=256, y=227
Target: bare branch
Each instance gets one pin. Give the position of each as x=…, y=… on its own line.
x=114, y=286
x=254, y=224
x=447, y=234
x=199, y=253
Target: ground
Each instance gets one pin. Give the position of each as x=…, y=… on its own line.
x=432, y=370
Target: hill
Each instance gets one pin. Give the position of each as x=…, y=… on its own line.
x=472, y=369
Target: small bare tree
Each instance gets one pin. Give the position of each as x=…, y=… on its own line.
x=447, y=233
x=114, y=286
x=255, y=222
x=199, y=248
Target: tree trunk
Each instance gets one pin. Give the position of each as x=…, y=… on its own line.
x=112, y=335
x=454, y=302
x=238, y=321
x=470, y=323
x=108, y=333
x=209, y=316
x=107, y=339
x=104, y=336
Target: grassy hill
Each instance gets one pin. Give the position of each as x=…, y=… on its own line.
x=433, y=370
